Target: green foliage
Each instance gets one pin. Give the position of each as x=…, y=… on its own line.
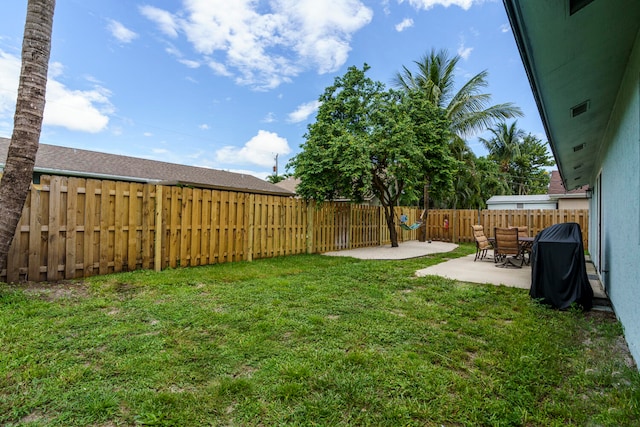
x=371, y=141
x=522, y=159
x=274, y=179
x=306, y=340
x=468, y=109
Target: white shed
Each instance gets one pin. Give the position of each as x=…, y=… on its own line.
x=538, y=201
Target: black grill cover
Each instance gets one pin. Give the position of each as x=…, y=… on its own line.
x=558, y=270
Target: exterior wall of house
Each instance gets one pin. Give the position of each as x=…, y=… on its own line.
x=573, y=204
x=522, y=202
x=616, y=205
x=522, y=205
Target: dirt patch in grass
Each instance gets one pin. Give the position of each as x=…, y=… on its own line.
x=53, y=291
x=618, y=349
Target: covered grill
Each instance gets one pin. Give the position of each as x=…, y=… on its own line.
x=558, y=270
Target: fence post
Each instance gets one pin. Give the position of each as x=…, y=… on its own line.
x=454, y=232
x=157, y=256
x=310, y=213
x=251, y=225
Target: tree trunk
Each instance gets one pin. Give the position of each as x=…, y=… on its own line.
x=425, y=214
x=18, y=171
x=389, y=216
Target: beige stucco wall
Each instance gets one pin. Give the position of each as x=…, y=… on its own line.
x=573, y=204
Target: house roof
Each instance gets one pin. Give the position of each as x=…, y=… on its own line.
x=533, y=198
x=557, y=188
x=575, y=53
x=290, y=184
x=56, y=160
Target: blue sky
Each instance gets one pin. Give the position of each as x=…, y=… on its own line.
x=229, y=84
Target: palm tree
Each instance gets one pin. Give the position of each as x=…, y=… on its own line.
x=521, y=158
x=468, y=109
x=18, y=171
x=504, y=146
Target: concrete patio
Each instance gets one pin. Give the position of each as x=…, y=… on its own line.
x=465, y=269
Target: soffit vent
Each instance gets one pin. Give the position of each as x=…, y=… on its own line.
x=578, y=147
x=576, y=5
x=576, y=167
x=579, y=109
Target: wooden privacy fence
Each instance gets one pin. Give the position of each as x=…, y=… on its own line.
x=460, y=222
x=75, y=227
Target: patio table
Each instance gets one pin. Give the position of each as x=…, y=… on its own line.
x=525, y=242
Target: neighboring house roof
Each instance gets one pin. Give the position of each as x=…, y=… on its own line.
x=56, y=160
x=575, y=54
x=535, y=198
x=289, y=184
x=556, y=187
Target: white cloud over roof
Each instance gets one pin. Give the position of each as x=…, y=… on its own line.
x=264, y=46
x=79, y=110
x=259, y=150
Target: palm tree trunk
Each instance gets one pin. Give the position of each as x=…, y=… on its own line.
x=18, y=171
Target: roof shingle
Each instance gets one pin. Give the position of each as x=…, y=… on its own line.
x=58, y=160
x=556, y=186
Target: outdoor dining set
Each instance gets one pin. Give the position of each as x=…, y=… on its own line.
x=511, y=246
x=556, y=255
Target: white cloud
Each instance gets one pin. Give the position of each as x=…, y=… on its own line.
x=120, y=32
x=464, y=51
x=167, y=23
x=203, y=126
x=148, y=134
x=264, y=46
x=385, y=7
x=259, y=150
x=189, y=63
x=269, y=118
x=505, y=28
x=428, y=4
x=77, y=110
x=406, y=23
x=303, y=112
x=9, y=74
x=85, y=111
x=219, y=69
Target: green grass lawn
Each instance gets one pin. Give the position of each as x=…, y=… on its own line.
x=306, y=340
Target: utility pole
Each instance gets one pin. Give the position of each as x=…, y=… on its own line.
x=275, y=168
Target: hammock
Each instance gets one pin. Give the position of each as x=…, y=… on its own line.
x=410, y=227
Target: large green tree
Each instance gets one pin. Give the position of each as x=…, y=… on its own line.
x=18, y=171
x=504, y=145
x=468, y=108
x=528, y=174
x=370, y=140
x=521, y=158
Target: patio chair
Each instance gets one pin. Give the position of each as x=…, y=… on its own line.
x=507, y=247
x=523, y=230
x=482, y=243
x=525, y=248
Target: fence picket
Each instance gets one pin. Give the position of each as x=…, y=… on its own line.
x=35, y=234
